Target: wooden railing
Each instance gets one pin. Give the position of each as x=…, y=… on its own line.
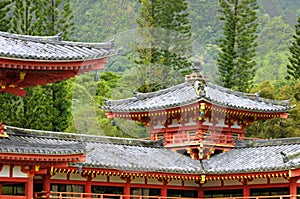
x=12, y=197
x=72, y=195
x=219, y=139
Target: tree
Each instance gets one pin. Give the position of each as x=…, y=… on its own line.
x=45, y=107
x=26, y=17
x=293, y=69
x=5, y=6
x=58, y=17
x=164, y=44
x=235, y=61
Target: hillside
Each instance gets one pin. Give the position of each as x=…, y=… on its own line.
x=103, y=20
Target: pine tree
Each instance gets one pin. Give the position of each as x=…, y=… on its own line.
x=293, y=69
x=45, y=107
x=165, y=43
x=58, y=18
x=235, y=61
x=26, y=17
x=5, y=6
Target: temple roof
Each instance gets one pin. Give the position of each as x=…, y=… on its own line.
x=27, y=61
x=51, y=48
x=149, y=156
x=257, y=156
x=20, y=141
x=185, y=94
x=101, y=151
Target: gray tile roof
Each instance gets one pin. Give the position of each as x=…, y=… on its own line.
x=102, y=152
x=257, y=156
x=146, y=156
x=22, y=141
x=185, y=93
x=51, y=48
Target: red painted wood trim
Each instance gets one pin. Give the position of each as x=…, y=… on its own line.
x=10, y=179
x=42, y=157
x=294, y=172
x=126, y=189
x=46, y=183
x=29, y=186
x=76, y=65
x=293, y=186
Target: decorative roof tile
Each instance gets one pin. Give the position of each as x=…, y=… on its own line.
x=51, y=48
x=102, y=151
x=185, y=93
x=257, y=156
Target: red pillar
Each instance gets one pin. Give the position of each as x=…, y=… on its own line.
x=163, y=191
x=88, y=187
x=127, y=189
x=200, y=193
x=46, y=183
x=293, y=188
x=246, y=191
x=29, y=186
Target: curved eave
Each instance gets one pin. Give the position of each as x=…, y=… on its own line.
x=115, y=170
x=282, y=113
x=247, y=175
x=66, y=59
x=140, y=169
x=34, y=157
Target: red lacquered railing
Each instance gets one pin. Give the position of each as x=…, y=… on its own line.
x=72, y=195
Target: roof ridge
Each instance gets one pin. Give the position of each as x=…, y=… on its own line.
x=139, y=95
x=254, y=96
x=57, y=39
x=267, y=142
x=82, y=137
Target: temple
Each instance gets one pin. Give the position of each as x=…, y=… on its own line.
x=195, y=118
x=37, y=60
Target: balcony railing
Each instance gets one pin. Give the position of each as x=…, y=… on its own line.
x=72, y=195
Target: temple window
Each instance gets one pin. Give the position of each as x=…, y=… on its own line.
x=13, y=189
x=223, y=193
x=182, y=193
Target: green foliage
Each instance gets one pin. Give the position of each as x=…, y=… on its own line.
x=44, y=107
x=293, y=69
x=278, y=128
x=273, y=42
x=5, y=7
x=57, y=17
x=163, y=45
x=99, y=20
x=26, y=19
x=236, y=59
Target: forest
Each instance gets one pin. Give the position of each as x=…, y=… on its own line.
x=96, y=21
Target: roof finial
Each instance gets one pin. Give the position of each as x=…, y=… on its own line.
x=197, y=68
x=196, y=75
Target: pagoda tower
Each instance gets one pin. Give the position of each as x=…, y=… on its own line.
x=197, y=117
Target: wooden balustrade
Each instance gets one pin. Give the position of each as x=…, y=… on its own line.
x=187, y=139
x=72, y=195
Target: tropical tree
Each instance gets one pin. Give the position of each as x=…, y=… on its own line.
x=235, y=61
x=163, y=45
x=5, y=6
x=293, y=69
x=44, y=107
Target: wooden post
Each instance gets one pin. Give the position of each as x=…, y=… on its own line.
x=127, y=189
x=163, y=191
x=29, y=187
x=88, y=187
x=293, y=188
x=200, y=193
x=246, y=191
x=46, y=185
